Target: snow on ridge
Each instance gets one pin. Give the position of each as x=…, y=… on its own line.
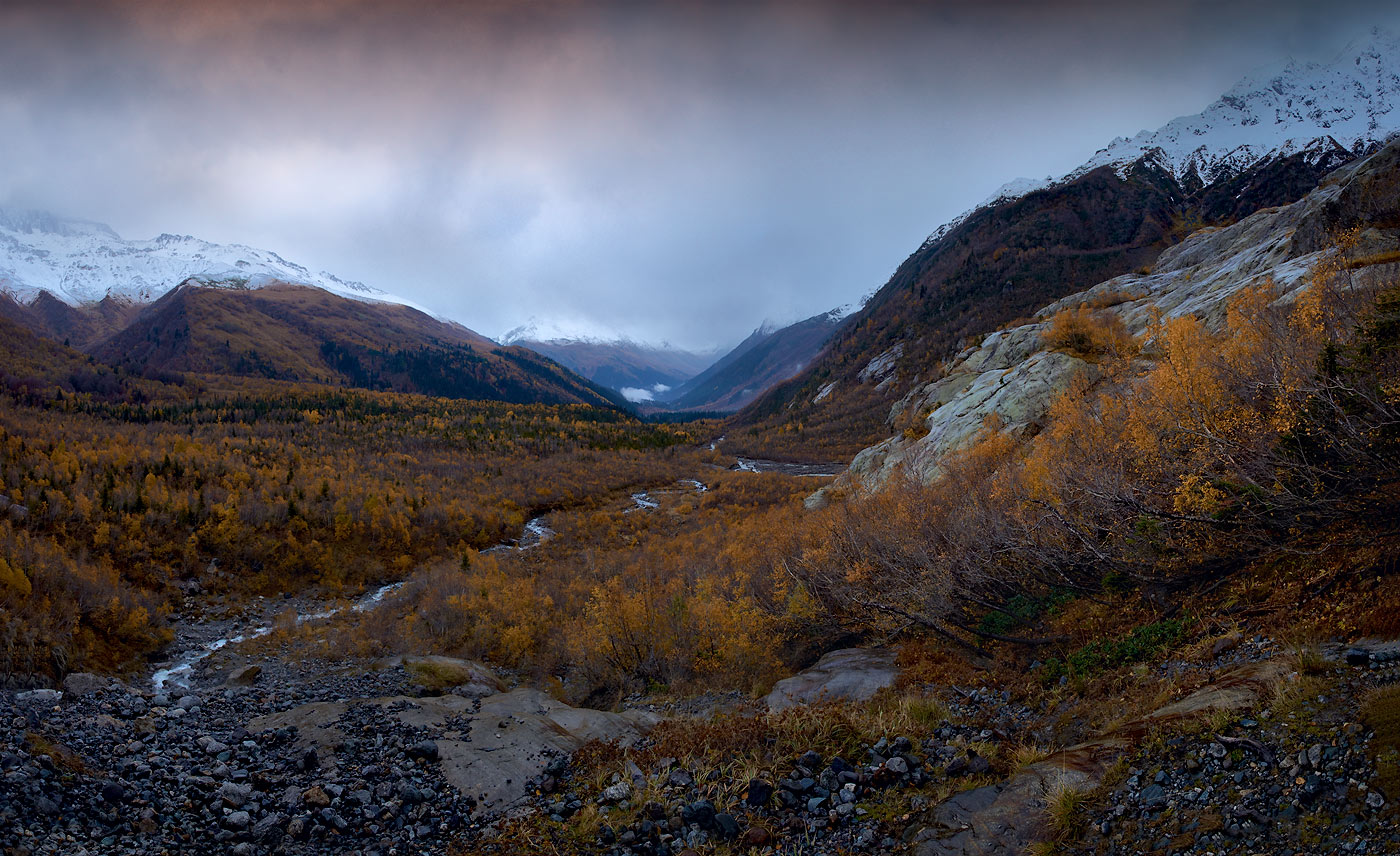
x=81, y=262
x=1352, y=102
x=846, y=310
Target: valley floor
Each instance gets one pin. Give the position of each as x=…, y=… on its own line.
x=1237, y=739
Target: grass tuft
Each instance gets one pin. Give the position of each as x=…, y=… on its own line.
x=1065, y=809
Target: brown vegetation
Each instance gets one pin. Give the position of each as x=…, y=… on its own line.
x=257, y=487
x=1226, y=445
x=1088, y=334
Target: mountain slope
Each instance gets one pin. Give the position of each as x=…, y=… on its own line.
x=1012, y=376
x=765, y=358
x=295, y=332
x=80, y=326
x=1035, y=242
x=180, y=304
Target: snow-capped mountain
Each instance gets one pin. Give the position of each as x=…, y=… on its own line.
x=554, y=330
x=1351, y=103
x=81, y=262
x=1351, y=100
x=1266, y=142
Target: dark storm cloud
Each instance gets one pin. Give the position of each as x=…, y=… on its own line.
x=670, y=171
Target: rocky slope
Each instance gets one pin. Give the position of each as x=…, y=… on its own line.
x=1014, y=374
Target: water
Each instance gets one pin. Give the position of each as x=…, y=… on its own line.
x=644, y=502
x=178, y=673
x=755, y=465
x=534, y=534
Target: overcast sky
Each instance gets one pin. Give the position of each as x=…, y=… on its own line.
x=669, y=171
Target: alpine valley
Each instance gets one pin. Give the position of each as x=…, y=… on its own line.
x=1078, y=535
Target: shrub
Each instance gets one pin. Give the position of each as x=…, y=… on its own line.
x=1144, y=642
x=1087, y=334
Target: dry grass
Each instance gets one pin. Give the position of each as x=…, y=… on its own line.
x=1373, y=259
x=1027, y=754
x=436, y=676
x=930, y=662
x=1065, y=810
x=1292, y=691
x=1308, y=660
x=1381, y=713
x=63, y=757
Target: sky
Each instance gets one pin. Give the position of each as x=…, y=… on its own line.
x=671, y=172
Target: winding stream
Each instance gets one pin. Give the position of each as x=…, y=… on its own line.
x=178, y=673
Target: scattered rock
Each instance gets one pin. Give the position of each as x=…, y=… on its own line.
x=615, y=793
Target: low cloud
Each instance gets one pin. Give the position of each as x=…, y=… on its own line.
x=673, y=171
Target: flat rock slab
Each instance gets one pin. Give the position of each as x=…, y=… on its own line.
x=1007, y=818
x=850, y=674
x=516, y=735
x=511, y=738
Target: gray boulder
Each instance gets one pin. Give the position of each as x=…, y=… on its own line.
x=850, y=674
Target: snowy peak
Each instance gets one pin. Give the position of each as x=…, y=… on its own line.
x=846, y=310
x=81, y=263
x=1350, y=102
x=1317, y=110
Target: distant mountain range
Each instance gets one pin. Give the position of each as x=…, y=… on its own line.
x=768, y=356
x=180, y=304
x=661, y=379
x=640, y=372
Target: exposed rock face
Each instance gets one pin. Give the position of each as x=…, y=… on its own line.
x=1016, y=396
x=1013, y=376
x=852, y=674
